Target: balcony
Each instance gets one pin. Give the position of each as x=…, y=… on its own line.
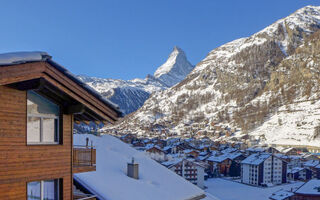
x=84, y=159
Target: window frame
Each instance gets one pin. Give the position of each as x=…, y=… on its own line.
x=58, y=135
x=58, y=192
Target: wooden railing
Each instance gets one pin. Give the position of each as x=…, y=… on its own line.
x=84, y=156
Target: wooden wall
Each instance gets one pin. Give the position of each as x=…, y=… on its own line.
x=20, y=163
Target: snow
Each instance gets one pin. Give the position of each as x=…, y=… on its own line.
x=298, y=124
x=22, y=57
x=110, y=181
x=310, y=187
x=131, y=94
x=296, y=128
x=230, y=190
x=175, y=69
x=223, y=157
x=256, y=159
x=281, y=195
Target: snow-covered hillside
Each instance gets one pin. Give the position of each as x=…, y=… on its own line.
x=110, y=181
x=130, y=95
x=241, y=86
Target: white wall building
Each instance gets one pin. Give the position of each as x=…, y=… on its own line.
x=189, y=169
x=263, y=168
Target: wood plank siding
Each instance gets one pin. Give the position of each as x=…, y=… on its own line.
x=21, y=163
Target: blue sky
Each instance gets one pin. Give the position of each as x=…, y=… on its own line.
x=130, y=39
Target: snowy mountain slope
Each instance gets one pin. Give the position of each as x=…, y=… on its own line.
x=175, y=69
x=229, y=85
x=130, y=95
x=110, y=181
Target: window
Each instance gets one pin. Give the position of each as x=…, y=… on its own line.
x=43, y=190
x=42, y=120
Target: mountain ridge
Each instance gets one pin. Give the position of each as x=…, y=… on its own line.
x=131, y=94
x=226, y=87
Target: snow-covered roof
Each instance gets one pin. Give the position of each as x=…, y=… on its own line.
x=15, y=58
x=23, y=57
x=256, y=159
x=295, y=170
x=255, y=149
x=311, y=163
x=223, y=157
x=110, y=181
x=281, y=195
x=172, y=162
x=311, y=187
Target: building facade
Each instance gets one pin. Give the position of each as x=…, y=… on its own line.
x=40, y=102
x=263, y=169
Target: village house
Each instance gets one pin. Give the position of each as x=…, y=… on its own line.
x=227, y=164
x=189, y=169
x=40, y=102
x=308, y=191
x=191, y=153
x=263, y=169
x=128, y=138
x=154, y=149
x=299, y=173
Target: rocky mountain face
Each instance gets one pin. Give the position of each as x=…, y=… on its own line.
x=130, y=95
x=264, y=87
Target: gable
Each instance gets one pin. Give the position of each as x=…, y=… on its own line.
x=55, y=82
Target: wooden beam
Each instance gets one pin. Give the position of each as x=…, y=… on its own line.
x=77, y=98
x=54, y=73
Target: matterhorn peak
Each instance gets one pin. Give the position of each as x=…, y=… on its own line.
x=175, y=69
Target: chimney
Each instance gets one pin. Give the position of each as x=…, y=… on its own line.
x=133, y=170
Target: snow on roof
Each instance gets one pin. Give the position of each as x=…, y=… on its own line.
x=178, y=160
x=111, y=182
x=311, y=163
x=189, y=151
x=255, y=149
x=229, y=150
x=311, y=187
x=172, y=162
x=221, y=158
x=295, y=170
x=281, y=195
x=256, y=159
x=23, y=57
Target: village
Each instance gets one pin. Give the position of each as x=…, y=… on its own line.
x=198, y=160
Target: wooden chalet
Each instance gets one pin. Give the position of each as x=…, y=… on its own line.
x=40, y=102
x=155, y=149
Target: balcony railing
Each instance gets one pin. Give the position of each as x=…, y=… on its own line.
x=84, y=157
x=77, y=196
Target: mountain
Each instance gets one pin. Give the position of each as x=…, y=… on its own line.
x=131, y=94
x=263, y=88
x=175, y=69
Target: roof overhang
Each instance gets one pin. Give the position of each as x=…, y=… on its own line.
x=55, y=82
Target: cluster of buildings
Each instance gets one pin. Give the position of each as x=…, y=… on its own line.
x=197, y=160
